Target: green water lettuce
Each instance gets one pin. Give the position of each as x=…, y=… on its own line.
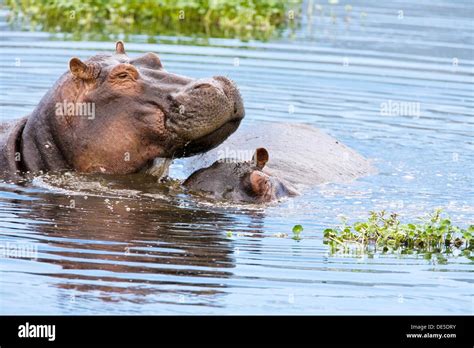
x=384, y=232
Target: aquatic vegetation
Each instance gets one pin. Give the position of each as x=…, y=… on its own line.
x=97, y=19
x=385, y=232
x=297, y=229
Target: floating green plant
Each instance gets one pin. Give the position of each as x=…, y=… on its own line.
x=384, y=232
x=297, y=229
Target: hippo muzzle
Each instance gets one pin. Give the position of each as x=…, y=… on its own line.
x=204, y=112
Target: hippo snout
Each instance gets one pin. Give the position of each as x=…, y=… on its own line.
x=205, y=111
x=223, y=86
x=232, y=92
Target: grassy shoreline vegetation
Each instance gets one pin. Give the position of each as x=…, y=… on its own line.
x=103, y=20
x=385, y=233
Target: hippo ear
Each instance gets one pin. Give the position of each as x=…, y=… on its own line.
x=260, y=157
x=80, y=69
x=119, y=47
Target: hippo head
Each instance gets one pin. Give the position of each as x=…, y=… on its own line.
x=115, y=114
x=230, y=180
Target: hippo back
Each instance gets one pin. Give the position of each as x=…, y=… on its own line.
x=300, y=154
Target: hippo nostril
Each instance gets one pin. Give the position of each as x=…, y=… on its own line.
x=202, y=86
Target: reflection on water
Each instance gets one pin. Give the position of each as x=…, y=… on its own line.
x=128, y=245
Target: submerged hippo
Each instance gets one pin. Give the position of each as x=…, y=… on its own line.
x=115, y=114
x=301, y=155
x=234, y=181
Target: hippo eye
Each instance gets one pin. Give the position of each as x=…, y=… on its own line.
x=124, y=72
x=123, y=75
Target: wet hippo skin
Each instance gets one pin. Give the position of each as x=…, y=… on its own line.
x=115, y=114
x=301, y=155
x=239, y=181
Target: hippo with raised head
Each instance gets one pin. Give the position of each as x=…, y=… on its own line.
x=245, y=181
x=116, y=114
